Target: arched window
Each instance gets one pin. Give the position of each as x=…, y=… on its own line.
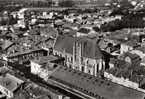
x=82, y=69
x=71, y=59
x=89, y=71
x=97, y=68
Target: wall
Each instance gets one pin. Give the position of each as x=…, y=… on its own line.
x=41, y=72
x=35, y=68
x=5, y=91
x=91, y=66
x=124, y=82
x=125, y=48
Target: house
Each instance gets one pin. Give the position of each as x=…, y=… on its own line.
x=112, y=62
x=86, y=30
x=80, y=53
x=69, y=18
x=73, y=26
x=39, y=92
x=27, y=55
x=141, y=53
x=128, y=46
x=8, y=84
x=21, y=23
x=82, y=32
x=132, y=58
x=44, y=66
x=126, y=40
x=110, y=46
x=21, y=13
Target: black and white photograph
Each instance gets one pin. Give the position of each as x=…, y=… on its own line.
x=72, y=49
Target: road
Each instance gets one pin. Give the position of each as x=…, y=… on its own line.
x=27, y=74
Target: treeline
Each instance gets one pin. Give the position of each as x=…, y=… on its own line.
x=66, y=3
x=12, y=4
x=128, y=21
x=37, y=3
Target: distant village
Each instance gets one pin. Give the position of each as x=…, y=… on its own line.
x=73, y=52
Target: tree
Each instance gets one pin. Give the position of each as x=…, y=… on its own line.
x=112, y=26
x=123, y=4
x=67, y=3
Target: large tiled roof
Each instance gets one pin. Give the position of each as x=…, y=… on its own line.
x=94, y=86
x=90, y=47
x=64, y=43
x=24, y=53
x=45, y=59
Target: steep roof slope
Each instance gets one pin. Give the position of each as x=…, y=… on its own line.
x=89, y=46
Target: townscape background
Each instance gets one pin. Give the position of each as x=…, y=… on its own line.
x=72, y=49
